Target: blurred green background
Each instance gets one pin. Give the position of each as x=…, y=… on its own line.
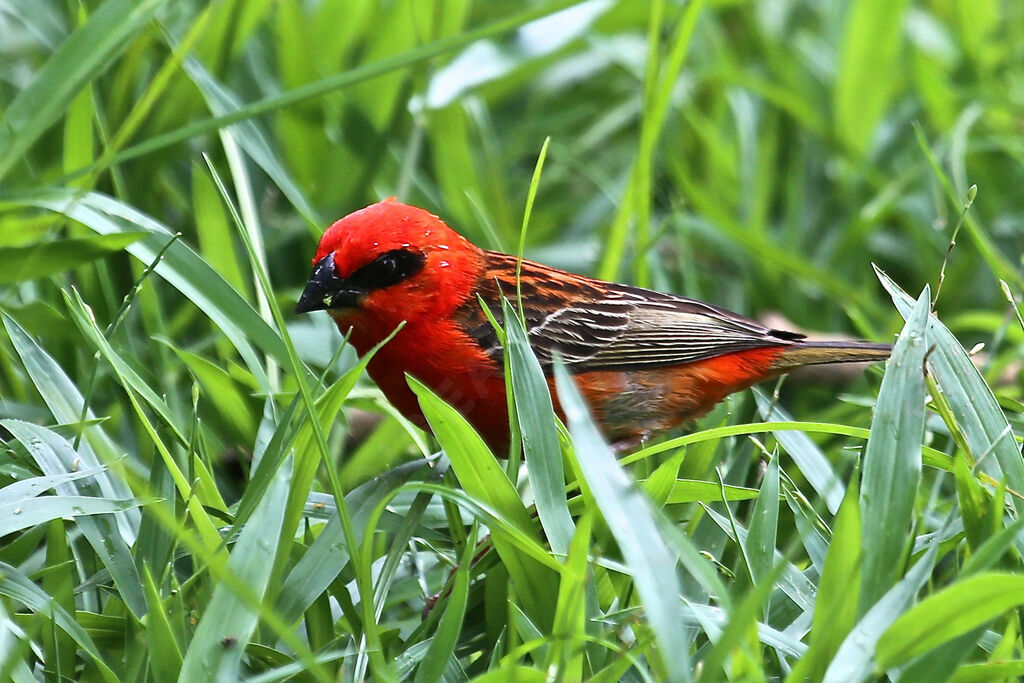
x=758, y=155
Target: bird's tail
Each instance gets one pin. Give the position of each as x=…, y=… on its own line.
x=820, y=352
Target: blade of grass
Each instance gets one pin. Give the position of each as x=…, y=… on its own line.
x=565, y=656
x=630, y=518
x=442, y=645
x=337, y=82
x=85, y=322
x=637, y=200
x=15, y=585
x=327, y=557
x=54, y=456
x=976, y=409
x=165, y=653
x=892, y=459
x=997, y=263
x=868, y=66
x=66, y=405
x=484, y=480
x=180, y=266
x=855, y=658
x=955, y=610
x=43, y=259
x=227, y=624
x=764, y=526
x=81, y=57
x=540, y=437
x=807, y=456
x=293, y=506
x=835, y=609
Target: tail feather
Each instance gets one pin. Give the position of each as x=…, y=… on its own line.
x=820, y=352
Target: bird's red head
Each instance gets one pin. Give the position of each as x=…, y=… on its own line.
x=389, y=263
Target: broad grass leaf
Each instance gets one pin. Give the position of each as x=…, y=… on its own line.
x=327, y=556
x=180, y=266
x=942, y=616
x=484, y=480
x=28, y=513
x=15, y=585
x=631, y=518
x=165, y=652
x=835, y=609
x=42, y=259
x=808, y=457
x=976, y=409
x=854, y=661
x=868, y=77
x=446, y=637
x=764, y=525
x=892, y=459
x=540, y=436
x=228, y=622
x=55, y=456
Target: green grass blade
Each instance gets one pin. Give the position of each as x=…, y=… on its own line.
x=15, y=585
x=339, y=81
x=805, y=453
x=868, y=68
x=78, y=60
x=65, y=403
x=764, y=525
x=164, y=650
x=540, y=436
x=442, y=645
x=569, y=631
x=42, y=259
x=180, y=266
x=54, y=456
x=28, y=513
x=215, y=652
x=976, y=409
x=946, y=614
x=484, y=480
x=29, y=488
x=854, y=660
x=892, y=459
x=631, y=519
x=835, y=609
x=792, y=581
x=249, y=136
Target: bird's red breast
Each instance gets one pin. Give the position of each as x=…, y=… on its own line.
x=645, y=360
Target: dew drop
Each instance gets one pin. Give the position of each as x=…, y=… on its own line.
x=444, y=264
x=443, y=246
x=17, y=511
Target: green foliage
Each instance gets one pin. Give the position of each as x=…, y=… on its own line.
x=194, y=484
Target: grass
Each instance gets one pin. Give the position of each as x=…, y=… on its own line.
x=196, y=485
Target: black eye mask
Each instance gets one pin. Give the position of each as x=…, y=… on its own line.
x=325, y=290
x=387, y=269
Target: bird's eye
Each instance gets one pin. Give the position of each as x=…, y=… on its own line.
x=388, y=269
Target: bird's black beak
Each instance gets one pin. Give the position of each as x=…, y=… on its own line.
x=325, y=290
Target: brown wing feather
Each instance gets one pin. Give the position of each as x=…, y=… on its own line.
x=596, y=325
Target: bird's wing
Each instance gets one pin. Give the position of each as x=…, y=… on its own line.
x=595, y=325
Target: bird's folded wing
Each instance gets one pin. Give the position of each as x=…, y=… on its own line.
x=595, y=325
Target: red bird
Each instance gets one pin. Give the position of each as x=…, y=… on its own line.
x=646, y=361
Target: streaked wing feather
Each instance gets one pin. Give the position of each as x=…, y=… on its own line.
x=595, y=325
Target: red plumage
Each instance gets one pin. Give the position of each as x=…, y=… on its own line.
x=646, y=361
